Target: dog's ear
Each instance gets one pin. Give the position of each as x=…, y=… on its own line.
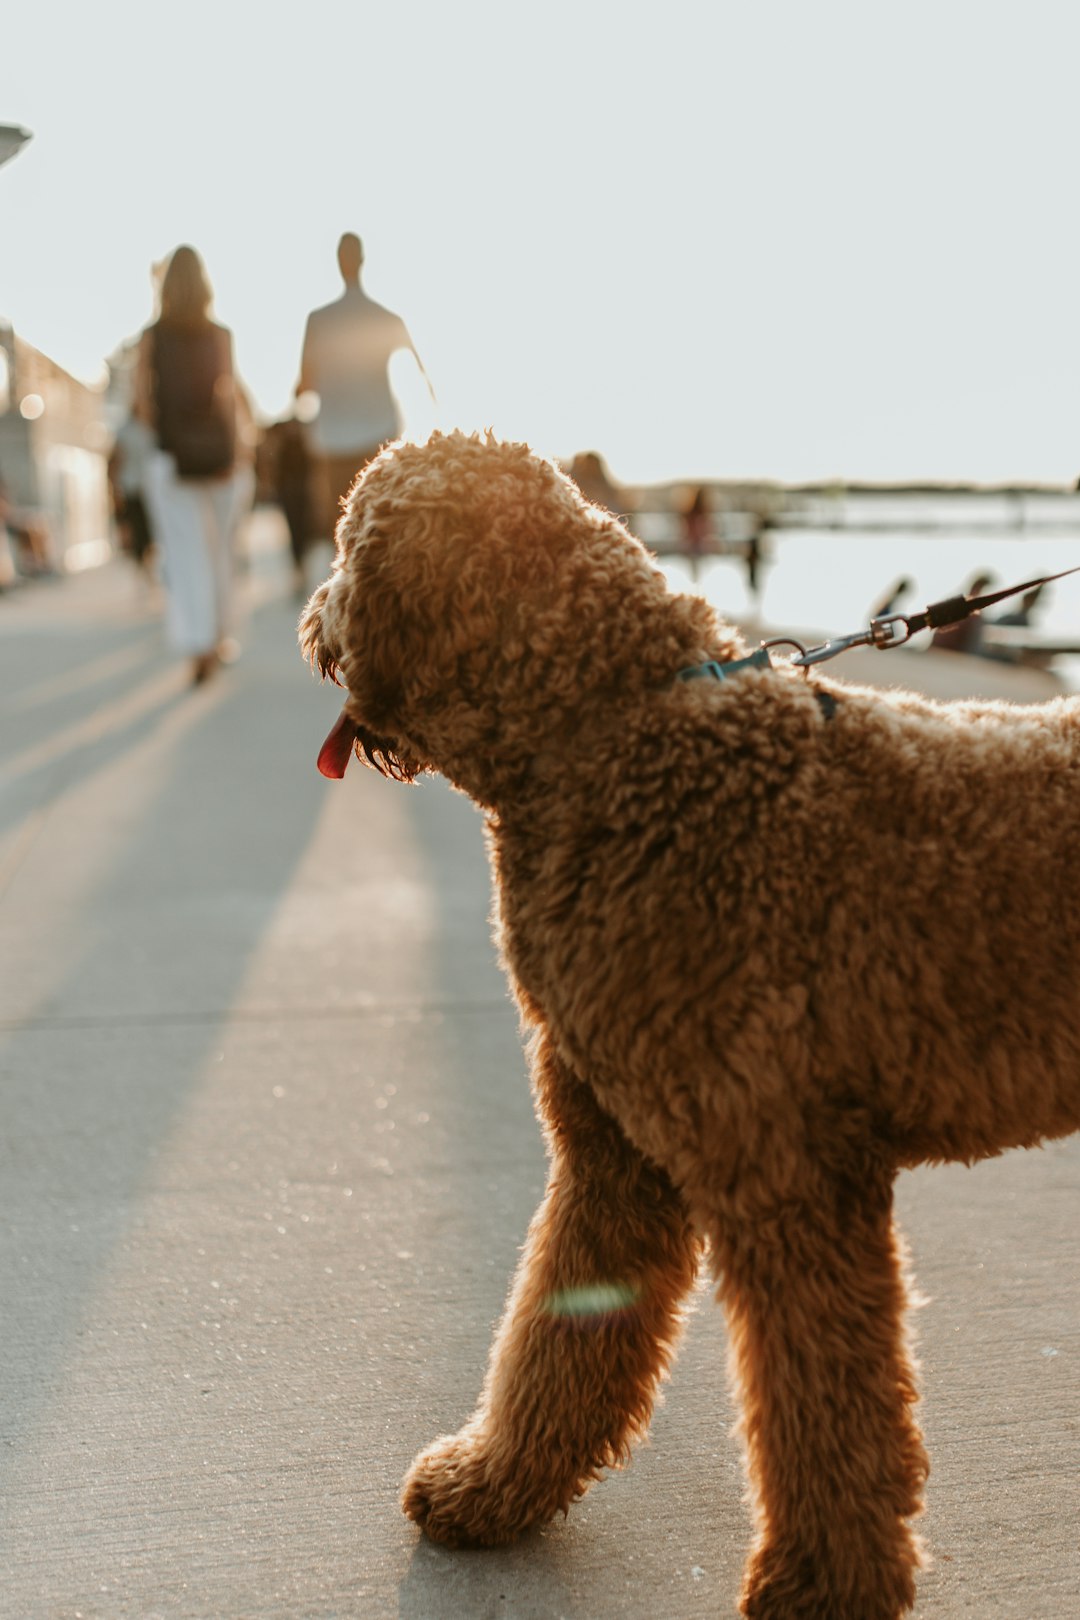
x=365, y=611
x=312, y=642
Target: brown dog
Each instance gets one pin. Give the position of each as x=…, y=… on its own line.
x=768, y=940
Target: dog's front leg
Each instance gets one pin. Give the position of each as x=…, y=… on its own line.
x=815, y=1294
x=590, y=1326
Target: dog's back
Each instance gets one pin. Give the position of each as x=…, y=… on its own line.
x=880, y=893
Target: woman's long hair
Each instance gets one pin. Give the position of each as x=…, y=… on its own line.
x=186, y=293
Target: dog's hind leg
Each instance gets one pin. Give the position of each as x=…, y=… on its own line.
x=589, y=1329
x=815, y=1294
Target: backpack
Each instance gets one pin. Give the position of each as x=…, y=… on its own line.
x=196, y=418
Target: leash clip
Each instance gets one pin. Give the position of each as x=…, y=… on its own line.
x=832, y=648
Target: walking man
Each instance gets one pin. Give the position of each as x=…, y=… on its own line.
x=347, y=350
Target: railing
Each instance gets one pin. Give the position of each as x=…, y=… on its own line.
x=740, y=518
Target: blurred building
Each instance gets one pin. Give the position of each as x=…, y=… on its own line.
x=53, y=448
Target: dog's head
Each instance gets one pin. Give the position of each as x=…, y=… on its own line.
x=477, y=602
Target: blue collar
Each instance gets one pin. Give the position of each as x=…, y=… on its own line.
x=720, y=672
x=757, y=660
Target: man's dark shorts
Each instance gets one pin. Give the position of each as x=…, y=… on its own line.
x=333, y=476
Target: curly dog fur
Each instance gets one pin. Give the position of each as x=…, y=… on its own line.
x=769, y=951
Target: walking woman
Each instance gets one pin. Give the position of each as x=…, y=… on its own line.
x=197, y=487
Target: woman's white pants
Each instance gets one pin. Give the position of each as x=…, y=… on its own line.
x=195, y=521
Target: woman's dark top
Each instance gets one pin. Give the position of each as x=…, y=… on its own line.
x=193, y=402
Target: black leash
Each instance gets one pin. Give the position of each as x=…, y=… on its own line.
x=897, y=628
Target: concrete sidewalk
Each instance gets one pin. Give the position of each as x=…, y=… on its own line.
x=267, y=1156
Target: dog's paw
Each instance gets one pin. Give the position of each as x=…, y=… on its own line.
x=462, y=1494
x=789, y=1587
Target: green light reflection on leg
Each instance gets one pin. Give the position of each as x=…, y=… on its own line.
x=594, y=1299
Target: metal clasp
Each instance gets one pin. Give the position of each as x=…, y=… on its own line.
x=832, y=649
x=892, y=631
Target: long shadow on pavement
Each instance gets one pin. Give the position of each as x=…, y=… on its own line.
x=98, y=1058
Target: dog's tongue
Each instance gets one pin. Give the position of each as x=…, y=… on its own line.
x=335, y=751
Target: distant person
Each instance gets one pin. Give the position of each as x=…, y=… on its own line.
x=1021, y=617
x=590, y=474
x=290, y=476
x=755, y=554
x=7, y=556
x=1024, y=615
x=756, y=549
x=889, y=604
x=129, y=469
x=967, y=636
x=29, y=534
x=698, y=532
x=198, y=478
x=348, y=346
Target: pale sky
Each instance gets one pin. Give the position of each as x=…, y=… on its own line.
x=706, y=239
